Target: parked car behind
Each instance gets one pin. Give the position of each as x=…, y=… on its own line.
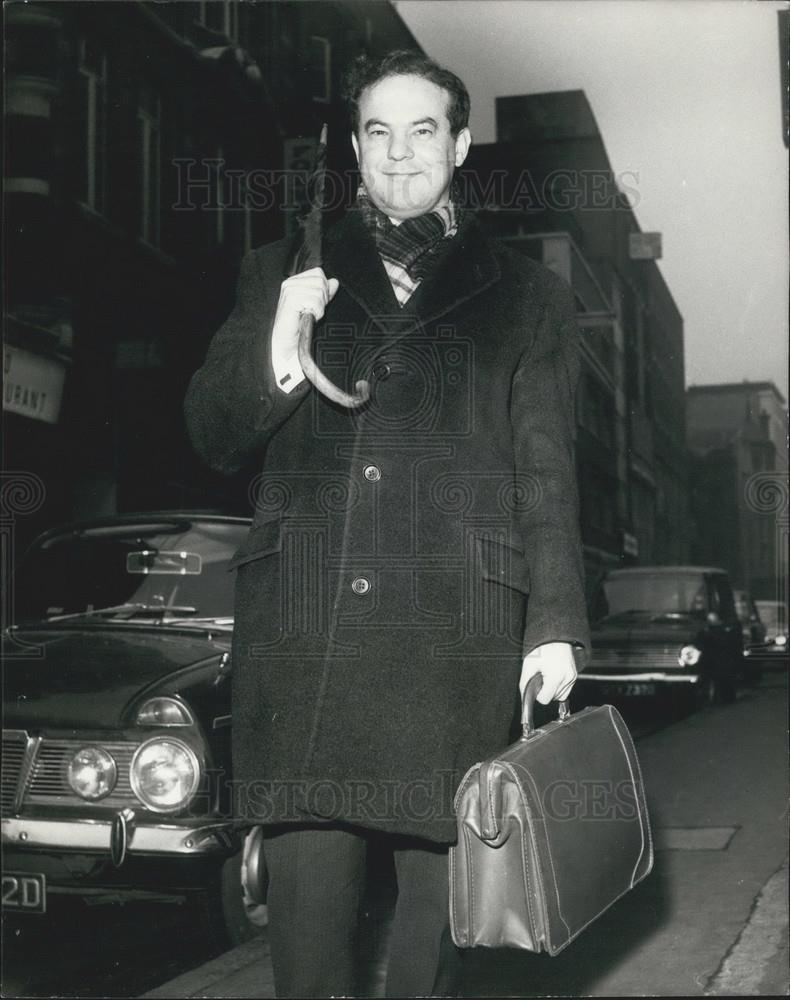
x=773, y=615
x=671, y=629
x=774, y=653
x=116, y=721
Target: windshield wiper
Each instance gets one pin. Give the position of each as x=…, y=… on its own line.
x=128, y=608
x=221, y=621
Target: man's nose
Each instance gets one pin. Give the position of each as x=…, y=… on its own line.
x=400, y=148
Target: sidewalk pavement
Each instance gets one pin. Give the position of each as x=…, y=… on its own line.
x=710, y=920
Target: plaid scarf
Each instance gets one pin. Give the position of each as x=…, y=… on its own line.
x=410, y=250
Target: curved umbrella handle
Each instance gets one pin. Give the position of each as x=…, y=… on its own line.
x=314, y=374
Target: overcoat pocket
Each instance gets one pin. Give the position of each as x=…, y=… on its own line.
x=263, y=539
x=502, y=563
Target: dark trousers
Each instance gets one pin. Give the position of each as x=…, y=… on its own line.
x=316, y=882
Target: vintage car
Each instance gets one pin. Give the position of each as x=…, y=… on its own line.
x=669, y=630
x=773, y=653
x=116, y=723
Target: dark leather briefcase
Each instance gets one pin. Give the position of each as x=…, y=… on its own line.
x=550, y=833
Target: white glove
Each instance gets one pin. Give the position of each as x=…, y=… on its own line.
x=309, y=291
x=554, y=660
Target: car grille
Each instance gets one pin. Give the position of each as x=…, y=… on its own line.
x=17, y=755
x=49, y=783
x=627, y=659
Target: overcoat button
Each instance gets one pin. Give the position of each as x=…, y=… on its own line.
x=360, y=585
x=372, y=473
x=381, y=371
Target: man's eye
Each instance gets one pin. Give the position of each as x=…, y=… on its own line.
x=377, y=132
x=424, y=131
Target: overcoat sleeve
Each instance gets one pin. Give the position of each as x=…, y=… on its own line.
x=542, y=415
x=233, y=405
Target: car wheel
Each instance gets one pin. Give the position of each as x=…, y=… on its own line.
x=234, y=908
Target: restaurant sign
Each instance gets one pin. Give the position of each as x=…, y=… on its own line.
x=32, y=384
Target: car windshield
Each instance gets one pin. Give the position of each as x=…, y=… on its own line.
x=164, y=571
x=651, y=595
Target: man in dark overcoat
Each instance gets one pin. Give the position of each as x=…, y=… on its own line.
x=412, y=561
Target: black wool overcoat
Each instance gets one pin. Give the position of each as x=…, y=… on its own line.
x=403, y=556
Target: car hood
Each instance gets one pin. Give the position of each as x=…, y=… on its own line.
x=86, y=679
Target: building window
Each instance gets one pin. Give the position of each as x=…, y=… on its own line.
x=319, y=68
x=149, y=150
x=92, y=85
x=221, y=16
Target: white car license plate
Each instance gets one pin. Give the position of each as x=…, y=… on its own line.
x=26, y=892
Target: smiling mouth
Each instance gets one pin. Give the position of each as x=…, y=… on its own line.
x=416, y=173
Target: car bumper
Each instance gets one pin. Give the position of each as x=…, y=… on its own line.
x=94, y=835
x=646, y=676
x=766, y=656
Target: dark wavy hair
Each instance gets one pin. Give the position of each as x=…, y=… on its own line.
x=364, y=72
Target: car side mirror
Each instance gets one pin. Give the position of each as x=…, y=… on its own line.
x=714, y=618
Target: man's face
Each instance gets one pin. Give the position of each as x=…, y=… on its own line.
x=404, y=148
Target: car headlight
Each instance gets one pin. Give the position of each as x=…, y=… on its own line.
x=92, y=773
x=689, y=656
x=164, y=774
x=163, y=712
x=781, y=640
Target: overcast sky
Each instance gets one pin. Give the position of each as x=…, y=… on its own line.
x=687, y=94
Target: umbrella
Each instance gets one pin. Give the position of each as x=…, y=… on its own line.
x=306, y=254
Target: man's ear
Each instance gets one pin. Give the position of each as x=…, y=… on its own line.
x=462, y=143
x=355, y=144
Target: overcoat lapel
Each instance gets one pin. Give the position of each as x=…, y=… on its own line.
x=350, y=255
x=466, y=269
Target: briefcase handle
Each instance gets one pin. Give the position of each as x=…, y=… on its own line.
x=534, y=684
x=490, y=804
